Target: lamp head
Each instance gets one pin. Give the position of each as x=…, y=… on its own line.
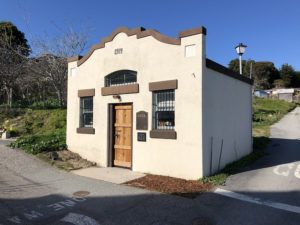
x=240, y=48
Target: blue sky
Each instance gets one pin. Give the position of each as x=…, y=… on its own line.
x=270, y=28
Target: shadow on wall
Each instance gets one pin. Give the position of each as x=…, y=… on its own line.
x=154, y=209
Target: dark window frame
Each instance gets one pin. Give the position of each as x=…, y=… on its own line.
x=163, y=110
x=120, y=78
x=86, y=117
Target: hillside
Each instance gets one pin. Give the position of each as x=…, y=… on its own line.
x=38, y=130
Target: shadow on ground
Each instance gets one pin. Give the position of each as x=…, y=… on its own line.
x=148, y=209
x=278, y=151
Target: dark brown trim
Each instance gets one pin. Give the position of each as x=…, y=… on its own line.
x=86, y=130
x=117, y=90
x=125, y=30
x=110, y=135
x=194, y=31
x=163, y=85
x=141, y=32
x=158, y=36
x=163, y=134
x=228, y=72
x=74, y=58
x=86, y=92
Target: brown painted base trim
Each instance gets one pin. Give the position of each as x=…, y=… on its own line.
x=86, y=130
x=117, y=90
x=163, y=134
x=163, y=85
x=226, y=71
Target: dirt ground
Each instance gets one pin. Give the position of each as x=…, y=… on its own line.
x=171, y=185
x=66, y=160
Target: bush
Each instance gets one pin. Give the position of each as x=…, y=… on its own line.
x=49, y=104
x=39, y=130
x=37, y=143
x=9, y=113
x=37, y=121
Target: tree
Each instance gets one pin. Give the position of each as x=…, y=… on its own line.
x=279, y=83
x=296, y=82
x=14, y=39
x=264, y=73
x=14, y=50
x=287, y=74
x=51, y=60
x=246, y=66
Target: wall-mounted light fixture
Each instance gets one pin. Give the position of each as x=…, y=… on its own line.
x=117, y=97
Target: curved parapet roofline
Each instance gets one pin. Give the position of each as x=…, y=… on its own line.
x=140, y=32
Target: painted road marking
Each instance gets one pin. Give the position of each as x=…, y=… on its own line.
x=57, y=206
x=259, y=201
x=79, y=219
x=14, y=219
x=297, y=172
x=285, y=169
x=66, y=203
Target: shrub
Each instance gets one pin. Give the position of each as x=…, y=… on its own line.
x=37, y=143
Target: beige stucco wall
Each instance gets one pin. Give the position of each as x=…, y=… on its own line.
x=153, y=61
x=227, y=116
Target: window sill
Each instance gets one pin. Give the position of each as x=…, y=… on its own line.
x=86, y=130
x=122, y=89
x=163, y=134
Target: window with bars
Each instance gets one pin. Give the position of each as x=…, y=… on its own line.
x=121, y=77
x=163, y=110
x=86, y=112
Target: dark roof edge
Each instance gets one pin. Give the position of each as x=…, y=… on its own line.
x=228, y=72
x=74, y=58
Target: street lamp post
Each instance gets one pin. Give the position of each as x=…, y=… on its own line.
x=240, y=49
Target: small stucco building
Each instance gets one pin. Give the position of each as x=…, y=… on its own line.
x=155, y=104
x=286, y=94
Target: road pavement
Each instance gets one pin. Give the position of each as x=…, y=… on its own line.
x=275, y=177
x=33, y=192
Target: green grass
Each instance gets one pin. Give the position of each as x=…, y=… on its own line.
x=265, y=113
x=232, y=168
x=268, y=112
x=39, y=130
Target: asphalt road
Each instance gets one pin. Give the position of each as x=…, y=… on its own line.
x=32, y=192
x=275, y=177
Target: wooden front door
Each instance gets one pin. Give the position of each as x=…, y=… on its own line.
x=123, y=135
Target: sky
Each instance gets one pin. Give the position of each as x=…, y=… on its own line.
x=270, y=28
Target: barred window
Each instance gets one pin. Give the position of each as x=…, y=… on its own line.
x=121, y=77
x=163, y=110
x=86, y=112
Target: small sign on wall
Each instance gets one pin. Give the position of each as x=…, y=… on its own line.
x=142, y=120
x=141, y=136
x=118, y=51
